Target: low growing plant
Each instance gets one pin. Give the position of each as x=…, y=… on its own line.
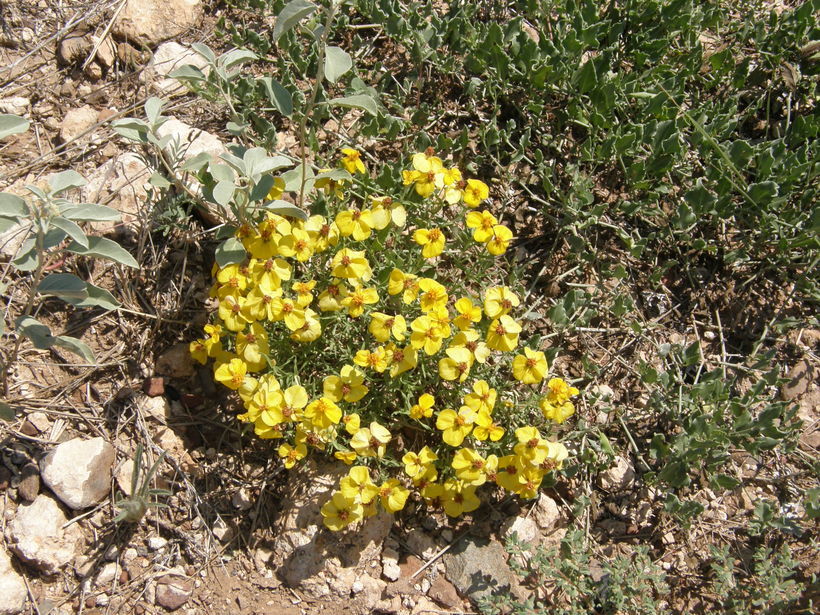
x=386, y=333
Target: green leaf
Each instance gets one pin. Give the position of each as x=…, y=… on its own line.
x=272, y=163
x=132, y=129
x=34, y=330
x=234, y=57
x=64, y=285
x=74, y=345
x=7, y=413
x=104, y=248
x=12, y=205
x=97, y=297
x=12, y=125
x=762, y=193
x=279, y=97
x=223, y=192
x=90, y=212
x=290, y=15
x=197, y=162
x=724, y=481
x=187, y=72
x=160, y=181
x=586, y=78
x=357, y=101
x=701, y=200
x=262, y=188
x=65, y=181
x=337, y=63
x=153, y=107
x=293, y=178
x=283, y=208
x=205, y=51
x=70, y=229
x=230, y=252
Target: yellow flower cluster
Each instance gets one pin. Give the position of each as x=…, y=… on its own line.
x=337, y=336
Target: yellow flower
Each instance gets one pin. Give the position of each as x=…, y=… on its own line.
x=483, y=223
x=270, y=272
x=557, y=412
x=474, y=192
x=310, y=331
x=468, y=313
x=330, y=299
x=252, y=346
x=459, y=498
x=433, y=241
x=393, y=495
x=528, y=481
x=352, y=161
x=531, y=446
x=470, y=340
x=401, y=359
x=469, y=467
x=339, y=512
x=385, y=210
x=423, y=409
x=427, y=335
x=351, y=264
x=453, y=185
x=231, y=312
x=529, y=367
x=330, y=186
x=323, y=413
x=232, y=373
x=500, y=241
x=483, y=397
x=434, y=295
x=355, y=222
x=456, y=426
x=346, y=457
x=358, y=298
x=382, y=326
x=503, y=334
x=348, y=385
x=509, y=468
x=303, y=292
x=292, y=454
x=287, y=310
x=277, y=189
x=358, y=486
x=406, y=283
x=232, y=281
x=485, y=427
x=558, y=391
x=415, y=464
x=297, y=244
x=372, y=441
x=198, y=351
x=352, y=423
x=499, y=300
x=259, y=302
x=376, y=359
x=324, y=234
x=456, y=365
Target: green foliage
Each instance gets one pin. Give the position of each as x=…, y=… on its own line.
x=578, y=583
x=134, y=507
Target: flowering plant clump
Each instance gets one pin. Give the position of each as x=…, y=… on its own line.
x=375, y=334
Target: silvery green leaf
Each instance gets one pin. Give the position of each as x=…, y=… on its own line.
x=273, y=163
x=252, y=157
x=70, y=229
x=283, y=208
x=132, y=129
x=205, y=51
x=12, y=125
x=34, y=330
x=221, y=172
x=97, y=297
x=234, y=57
x=278, y=96
x=65, y=180
x=26, y=259
x=357, y=101
x=235, y=161
x=197, y=162
x=337, y=63
x=37, y=192
x=74, y=345
x=223, y=192
x=67, y=286
x=153, y=107
x=187, y=72
x=293, y=12
x=104, y=248
x=262, y=188
x=230, y=252
x=159, y=180
x=90, y=212
x=6, y=224
x=12, y=205
x=293, y=178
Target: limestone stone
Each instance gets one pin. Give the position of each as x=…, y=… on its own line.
x=39, y=538
x=619, y=476
x=79, y=471
x=478, y=568
x=151, y=21
x=169, y=57
x=119, y=184
x=12, y=587
x=76, y=122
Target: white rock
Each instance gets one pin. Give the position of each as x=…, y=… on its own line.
x=124, y=474
x=155, y=543
x=79, y=471
x=546, y=513
x=76, y=122
x=38, y=537
x=40, y=421
x=106, y=51
x=241, y=499
x=167, y=58
x=119, y=184
x=619, y=476
x=158, y=408
x=16, y=105
x=130, y=555
x=390, y=564
x=525, y=527
x=153, y=21
x=12, y=587
x=107, y=574
x=190, y=140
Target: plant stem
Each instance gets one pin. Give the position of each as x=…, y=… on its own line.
x=320, y=75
